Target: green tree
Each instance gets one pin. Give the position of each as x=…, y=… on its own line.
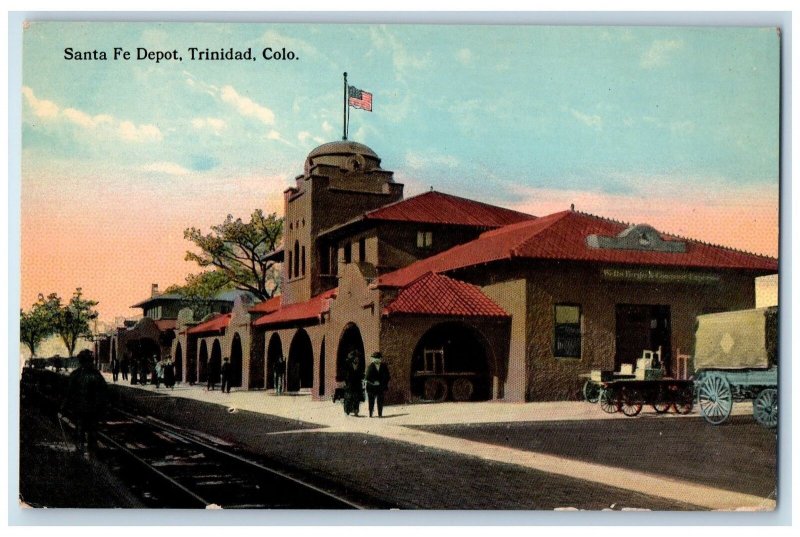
x=71, y=321
x=238, y=251
x=35, y=325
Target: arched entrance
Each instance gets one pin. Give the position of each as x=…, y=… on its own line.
x=451, y=361
x=350, y=340
x=202, y=362
x=274, y=351
x=236, y=360
x=215, y=361
x=300, y=366
x=256, y=376
x=178, y=362
x=321, y=382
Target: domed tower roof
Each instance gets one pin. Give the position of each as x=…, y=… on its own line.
x=344, y=154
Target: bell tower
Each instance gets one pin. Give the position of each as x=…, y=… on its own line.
x=340, y=181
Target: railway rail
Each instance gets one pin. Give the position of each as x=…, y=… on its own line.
x=169, y=466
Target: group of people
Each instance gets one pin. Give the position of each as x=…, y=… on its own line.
x=143, y=369
x=375, y=380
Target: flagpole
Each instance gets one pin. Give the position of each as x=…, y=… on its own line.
x=344, y=110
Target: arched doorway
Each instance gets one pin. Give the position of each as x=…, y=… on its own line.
x=236, y=360
x=256, y=376
x=300, y=366
x=202, y=362
x=274, y=351
x=321, y=382
x=178, y=362
x=215, y=361
x=349, y=341
x=451, y=361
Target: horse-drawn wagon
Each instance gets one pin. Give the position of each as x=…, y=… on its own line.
x=736, y=359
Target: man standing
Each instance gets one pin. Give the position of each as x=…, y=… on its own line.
x=114, y=368
x=280, y=372
x=226, y=376
x=85, y=401
x=377, y=377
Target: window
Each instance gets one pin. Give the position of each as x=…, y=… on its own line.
x=325, y=260
x=362, y=250
x=289, y=272
x=303, y=260
x=424, y=239
x=296, y=259
x=348, y=252
x=567, y=331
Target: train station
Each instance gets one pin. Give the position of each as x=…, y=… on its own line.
x=466, y=301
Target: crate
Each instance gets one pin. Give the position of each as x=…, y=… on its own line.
x=601, y=376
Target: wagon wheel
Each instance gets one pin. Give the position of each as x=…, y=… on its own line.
x=462, y=389
x=631, y=403
x=715, y=398
x=435, y=389
x=765, y=408
x=661, y=407
x=591, y=391
x=607, y=401
x=685, y=400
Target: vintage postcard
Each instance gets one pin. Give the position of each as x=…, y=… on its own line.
x=417, y=267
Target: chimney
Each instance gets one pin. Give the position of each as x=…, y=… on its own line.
x=154, y=290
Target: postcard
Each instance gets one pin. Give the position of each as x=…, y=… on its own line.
x=417, y=267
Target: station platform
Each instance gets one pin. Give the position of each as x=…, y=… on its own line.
x=404, y=423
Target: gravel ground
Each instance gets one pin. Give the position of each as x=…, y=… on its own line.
x=382, y=473
x=739, y=455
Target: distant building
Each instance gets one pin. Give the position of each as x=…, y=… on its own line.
x=465, y=300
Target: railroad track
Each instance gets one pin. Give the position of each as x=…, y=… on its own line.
x=169, y=466
x=186, y=470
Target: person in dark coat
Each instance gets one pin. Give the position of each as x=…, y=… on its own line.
x=213, y=375
x=114, y=369
x=353, y=388
x=155, y=371
x=280, y=374
x=134, y=371
x=377, y=377
x=225, y=376
x=169, y=374
x=85, y=401
x=124, y=365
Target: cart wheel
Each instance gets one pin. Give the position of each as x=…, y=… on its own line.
x=607, y=401
x=661, y=408
x=591, y=391
x=435, y=389
x=685, y=401
x=631, y=403
x=462, y=389
x=765, y=408
x=715, y=398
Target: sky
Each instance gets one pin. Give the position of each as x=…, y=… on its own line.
x=677, y=128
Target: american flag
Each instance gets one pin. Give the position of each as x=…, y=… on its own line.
x=359, y=98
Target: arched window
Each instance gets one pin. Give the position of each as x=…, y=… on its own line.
x=289, y=272
x=296, y=259
x=303, y=260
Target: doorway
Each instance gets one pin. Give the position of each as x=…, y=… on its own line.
x=643, y=327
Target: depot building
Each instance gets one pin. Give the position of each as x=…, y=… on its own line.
x=465, y=300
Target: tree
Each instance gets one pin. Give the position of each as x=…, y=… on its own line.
x=70, y=321
x=238, y=250
x=35, y=325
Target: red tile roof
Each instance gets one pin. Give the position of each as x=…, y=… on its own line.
x=434, y=294
x=267, y=306
x=562, y=236
x=166, y=324
x=438, y=208
x=310, y=309
x=217, y=323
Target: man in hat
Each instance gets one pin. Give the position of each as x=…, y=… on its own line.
x=85, y=401
x=377, y=377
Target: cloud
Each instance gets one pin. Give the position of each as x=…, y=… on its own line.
x=42, y=108
x=247, y=107
x=304, y=136
x=214, y=124
x=658, y=52
x=105, y=123
x=590, y=120
x=168, y=168
x=402, y=59
x=421, y=160
x=464, y=56
x=326, y=126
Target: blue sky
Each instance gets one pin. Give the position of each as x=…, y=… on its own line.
x=614, y=119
